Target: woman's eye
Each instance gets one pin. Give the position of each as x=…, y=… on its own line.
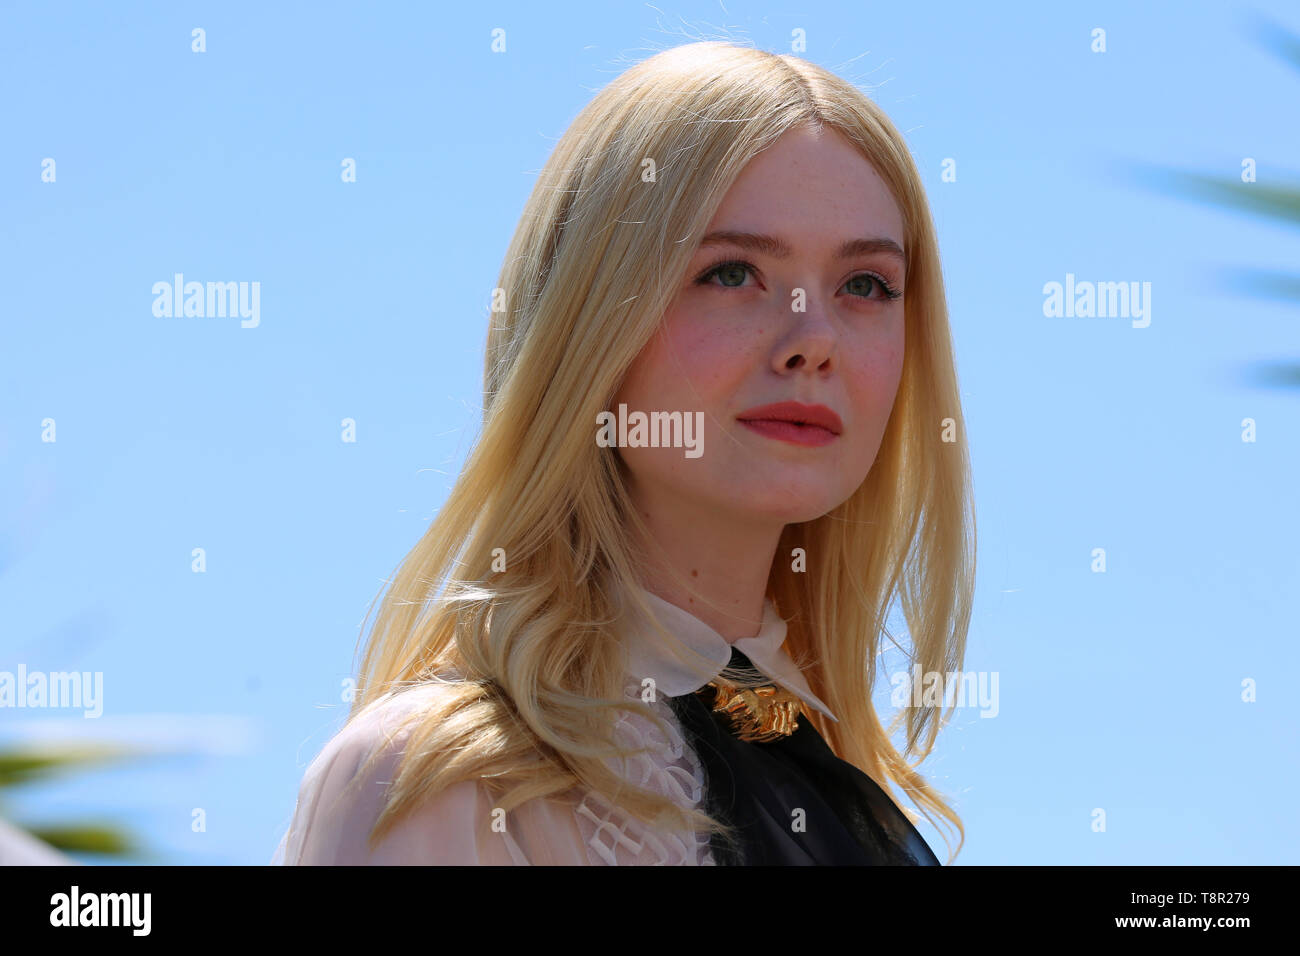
x=866, y=282
x=732, y=276
x=728, y=271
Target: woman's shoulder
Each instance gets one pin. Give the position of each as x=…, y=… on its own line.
x=344, y=790
x=381, y=728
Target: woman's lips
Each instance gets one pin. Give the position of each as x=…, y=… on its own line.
x=789, y=431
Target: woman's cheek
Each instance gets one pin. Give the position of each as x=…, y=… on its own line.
x=719, y=355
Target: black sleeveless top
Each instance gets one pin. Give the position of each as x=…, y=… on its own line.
x=757, y=787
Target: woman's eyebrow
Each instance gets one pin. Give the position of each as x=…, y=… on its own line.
x=778, y=248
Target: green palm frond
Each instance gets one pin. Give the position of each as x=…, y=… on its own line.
x=1265, y=284
x=19, y=766
x=1273, y=374
x=1271, y=34
x=1275, y=201
x=108, y=838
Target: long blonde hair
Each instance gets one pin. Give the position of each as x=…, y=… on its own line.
x=594, y=263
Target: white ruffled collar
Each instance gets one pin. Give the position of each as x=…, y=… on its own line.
x=649, y=657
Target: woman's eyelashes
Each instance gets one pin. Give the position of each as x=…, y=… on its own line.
x=736, y=269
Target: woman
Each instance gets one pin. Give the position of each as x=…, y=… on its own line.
x=619, y=644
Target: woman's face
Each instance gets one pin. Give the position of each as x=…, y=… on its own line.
x=802, y=324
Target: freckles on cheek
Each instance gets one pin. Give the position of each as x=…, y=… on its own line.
x=878, y=362
x=713, y=350
x=873, y=381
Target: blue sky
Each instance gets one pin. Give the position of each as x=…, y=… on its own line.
x=1119, y=690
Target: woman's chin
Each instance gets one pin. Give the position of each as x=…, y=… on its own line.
x=788, y=508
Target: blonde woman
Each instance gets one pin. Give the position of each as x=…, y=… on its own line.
x=721, y=436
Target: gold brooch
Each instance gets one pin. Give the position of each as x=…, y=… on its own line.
x=757, y=713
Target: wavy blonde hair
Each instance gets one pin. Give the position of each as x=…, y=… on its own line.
x=597, y=258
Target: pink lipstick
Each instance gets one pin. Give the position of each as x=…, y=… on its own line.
x=794, y=422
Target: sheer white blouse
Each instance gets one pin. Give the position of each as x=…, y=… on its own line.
x=335, y=812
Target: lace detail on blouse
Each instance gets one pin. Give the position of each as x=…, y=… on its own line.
x=669, y=768
x=336, y=811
